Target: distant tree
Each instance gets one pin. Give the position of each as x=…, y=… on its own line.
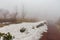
x=13, y=16
x=23, y=13
x=5, y=13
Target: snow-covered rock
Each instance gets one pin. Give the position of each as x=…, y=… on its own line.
x=30, y=32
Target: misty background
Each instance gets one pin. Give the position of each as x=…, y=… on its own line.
x=42, y=9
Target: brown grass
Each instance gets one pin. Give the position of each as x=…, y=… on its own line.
x=1, y=25
x=27, y=20
x=20, y=21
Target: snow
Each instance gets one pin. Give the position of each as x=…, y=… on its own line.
x=29, y=34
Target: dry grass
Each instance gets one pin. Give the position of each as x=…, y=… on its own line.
x=1, y=25
x=27, y=20
x=20, y=21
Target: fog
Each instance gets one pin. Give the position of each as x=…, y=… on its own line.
x=42, y=9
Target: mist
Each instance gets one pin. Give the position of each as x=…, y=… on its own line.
x=42, y=9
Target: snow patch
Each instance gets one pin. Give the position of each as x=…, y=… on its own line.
x=29, y=34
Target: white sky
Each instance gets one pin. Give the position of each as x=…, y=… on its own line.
x=8, y=4
x=44, y=9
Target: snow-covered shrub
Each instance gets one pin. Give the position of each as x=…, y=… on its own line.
x=41, y=24
x=7, y=36
x=1, y=34
x=22, y=30
x=33, y=27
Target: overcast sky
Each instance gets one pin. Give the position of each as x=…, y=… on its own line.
x=44, y=9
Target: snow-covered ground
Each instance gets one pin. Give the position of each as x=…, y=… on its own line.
x=29, y=34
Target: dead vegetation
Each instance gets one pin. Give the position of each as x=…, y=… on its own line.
x=14, y=21
x=4, y=20
x=27, y=20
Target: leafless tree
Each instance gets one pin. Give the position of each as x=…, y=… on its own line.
x=23, y=12
x=5, y=13
x=13, y=17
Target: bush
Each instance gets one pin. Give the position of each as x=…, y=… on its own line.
x=1, y=34
x=39, y=25
x=22, y=30
x=7, y=36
